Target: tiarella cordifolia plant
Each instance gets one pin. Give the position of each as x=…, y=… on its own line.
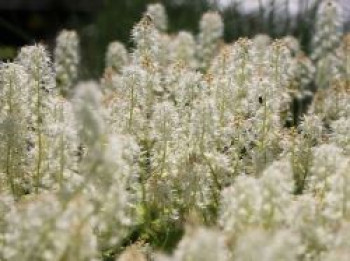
x=105, y=167
x=239, y=205
x=258, y=244
x=299, y=147
x=328, y=29
x=148, y=43
x=183, y=49
x=41, y=89
x=211, y=31
x=241, y=210
x=293, y=44
x=44, y=228
x=116, y=56
x=340, y=134
x=14, y=132
x=327, y=39
x=64, y=149
x=204, y=149
x=326, y=158
x=67, y=59
x=158, y=14
x=303, y=73
x=305, y=219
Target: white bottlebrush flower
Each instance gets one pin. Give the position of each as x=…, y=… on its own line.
x=280, y=60
x=148, y=44
x=292, y=43
x=240, y=206
x=37, y=62
x=242, y=209
x=327, y=71
x=67, y=58
x=258, y=244
x=107, y=167
x=164, y=122
x=261, y=41
x=116, y=56
x=235, y=63
x=211, y=31
x=264, y=125
x=204, y=125
x=305, y=218
x=13, y=127
x=340, y=134
x=328, y=159
x=332, y=103
x=328, y=29
x=201, y=244
x=163, y=134
x=126, y=107
x=64, y=149
x=183, y=49
x=87, y=101
x=326, y=40
x=302, y=72
x=43, y=228
x=41, y=83
x=276, y=189
x=336, y=199
x=158, y=13
x=183, y=85
x=312, y=129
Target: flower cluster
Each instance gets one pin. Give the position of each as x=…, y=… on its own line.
x=208, y=150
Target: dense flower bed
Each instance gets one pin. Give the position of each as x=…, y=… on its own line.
x=187, y=145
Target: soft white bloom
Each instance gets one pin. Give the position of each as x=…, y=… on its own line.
x=340, y=135
x=258, y=244
x=302, y=72
x=13, y=127
x=240, y=206
x=43, y=228
x=40, y=104
x=116, y=56
x=328, y=29
x=158, y=13
x=327, y=160
x=326, y=40
x=201, y=244
x=107, y=167
x=292, y=43
x=67, y=58
x=147, y=38
x=211, y=30
x=36, y=60
x=305, y=218
x=183, y=49
x=276, y=189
